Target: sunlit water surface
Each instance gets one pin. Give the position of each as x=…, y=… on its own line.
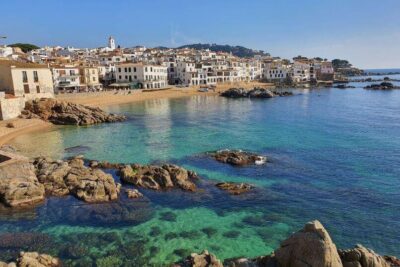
x=335, y=157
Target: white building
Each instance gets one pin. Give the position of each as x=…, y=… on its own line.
x=275, y=71
x=111, y=43
x=66, y=78
x=141, y=75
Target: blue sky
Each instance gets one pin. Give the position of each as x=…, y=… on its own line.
x=366, y=32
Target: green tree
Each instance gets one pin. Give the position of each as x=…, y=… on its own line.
x=25, y=47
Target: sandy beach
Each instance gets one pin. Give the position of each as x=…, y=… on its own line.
x=102, y=99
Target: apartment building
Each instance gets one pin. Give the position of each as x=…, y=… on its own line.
x=26, y=80
x=142, y=75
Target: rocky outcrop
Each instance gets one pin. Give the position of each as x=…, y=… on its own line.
x=311, y=246
x=133, y=193
x=205, y=259
x=33, y=259
x=158, y=177
x=343, y=86
x=362, y=257
x=63, y=113
x=73, y=177
x=238, y=157
x=235, y=188
x=254, y=93
x=19, y=185
x=382, y=86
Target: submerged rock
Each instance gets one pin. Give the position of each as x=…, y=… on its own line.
x=72, y=177
x=63, y=113
x=238, y=157
x=235, y=188
x=19, y=185
x=158, y=177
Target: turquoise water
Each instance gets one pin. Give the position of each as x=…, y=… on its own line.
x=334, y=154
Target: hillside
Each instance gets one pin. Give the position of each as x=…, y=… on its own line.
x=238, y=51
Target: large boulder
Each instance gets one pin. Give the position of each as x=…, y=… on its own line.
x=312, y=247
x=238, y=157
x=60, y=112
x=19, y=185
x=158, y=177
x=362, y=257
x=73, y=177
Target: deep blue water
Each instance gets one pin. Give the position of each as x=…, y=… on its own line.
x=335, y=157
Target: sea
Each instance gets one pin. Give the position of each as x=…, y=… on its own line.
x=334, y=156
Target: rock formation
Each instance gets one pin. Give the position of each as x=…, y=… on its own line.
x=254, y=93
x=19, y=185
x=63, y=113
x=133, y=193
x=363, y=257
x=235, y=188
x=382, y=86
x=72, y=177
x=238, y=157
x=33, y=259
x=205, y=259
x=158, y=177
x=310, y=247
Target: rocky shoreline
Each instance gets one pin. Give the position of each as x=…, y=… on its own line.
x=312, y=246
x=65, y=113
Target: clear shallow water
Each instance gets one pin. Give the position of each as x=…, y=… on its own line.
x=335, y=157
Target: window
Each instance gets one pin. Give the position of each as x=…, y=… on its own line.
x=35, y=76
x=126, y=69
x=120, y=77
x=134, y=69
x=26, y=89
x=93, y=72
x=38, y=89
x=119, y=69
x=94, y=79
x=25, y=78
x=135, y=77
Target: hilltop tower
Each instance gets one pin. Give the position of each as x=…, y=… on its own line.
x=111, y=43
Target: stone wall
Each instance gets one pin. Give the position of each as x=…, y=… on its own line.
x=11, y=108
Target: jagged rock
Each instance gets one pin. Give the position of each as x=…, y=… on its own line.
x=395, y=262
x=312, y=246
x=253, y=93
x=235, y=188
x=362, y=257
x=205, y=259
x=19, y=185
x=60, y=112
x=238, y=157
x=72, y=177
x=105, y=165
x=260, y=93
x=158, y=177
x=34, y=259
x=234, y=93
x=133, y=193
